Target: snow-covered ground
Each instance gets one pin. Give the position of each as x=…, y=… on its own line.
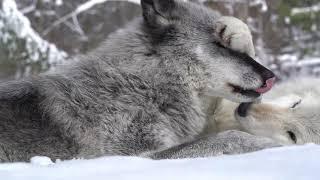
x=286, y=163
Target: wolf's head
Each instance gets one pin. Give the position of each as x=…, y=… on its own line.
x=186, y=32
x=290, y=119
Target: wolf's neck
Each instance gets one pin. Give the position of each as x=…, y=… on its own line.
x=209, y=104
x=125, y=45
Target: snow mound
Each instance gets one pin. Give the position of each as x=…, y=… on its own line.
x=41, y=161
x=294, y=163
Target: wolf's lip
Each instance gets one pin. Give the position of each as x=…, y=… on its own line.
x=245, y=92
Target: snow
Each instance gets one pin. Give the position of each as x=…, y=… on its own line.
x=288, y=57
x=287, y=20
x=262, y=3
x=59, y=2
x=308, y=62
x=294, y=163
x=41, y=161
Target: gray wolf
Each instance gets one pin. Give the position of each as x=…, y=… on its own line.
x=144, y=92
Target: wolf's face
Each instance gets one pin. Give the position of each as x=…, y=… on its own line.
x=292, y=119
x=189, y=32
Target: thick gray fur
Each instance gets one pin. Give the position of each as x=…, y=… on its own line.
x=140, y=92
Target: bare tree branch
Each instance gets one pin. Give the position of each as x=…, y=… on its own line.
x=81, y=8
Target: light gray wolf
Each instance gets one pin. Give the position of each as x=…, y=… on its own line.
x=289, y=114
x=144, y=92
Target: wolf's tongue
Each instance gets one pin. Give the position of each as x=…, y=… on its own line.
x=267, y=86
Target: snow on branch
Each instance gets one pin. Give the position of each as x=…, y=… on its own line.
x=262, y=3
x=311, y=9
x=87, y=5
x=21, y=42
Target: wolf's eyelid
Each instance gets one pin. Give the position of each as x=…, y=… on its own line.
x=296, y=104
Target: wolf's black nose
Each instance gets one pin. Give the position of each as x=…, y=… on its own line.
x=267, y=74
x=243, y=109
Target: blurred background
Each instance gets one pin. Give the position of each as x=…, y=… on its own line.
x=35, y=35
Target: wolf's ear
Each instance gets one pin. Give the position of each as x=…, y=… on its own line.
x=157, y=12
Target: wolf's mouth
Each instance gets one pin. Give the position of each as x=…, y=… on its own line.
x=245, y=92
x=254, y=92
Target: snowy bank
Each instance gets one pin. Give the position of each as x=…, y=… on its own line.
x=301, y=162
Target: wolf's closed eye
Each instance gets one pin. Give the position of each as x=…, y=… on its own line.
x=295, y=104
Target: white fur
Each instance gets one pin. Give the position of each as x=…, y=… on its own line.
x=274, y=117
x=239, y=41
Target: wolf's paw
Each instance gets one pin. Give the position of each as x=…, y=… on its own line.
x=227, y=142
x=235, y=34
x=237, y=142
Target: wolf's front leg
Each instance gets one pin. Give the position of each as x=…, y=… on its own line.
x=232, y=33
x=228, y=142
